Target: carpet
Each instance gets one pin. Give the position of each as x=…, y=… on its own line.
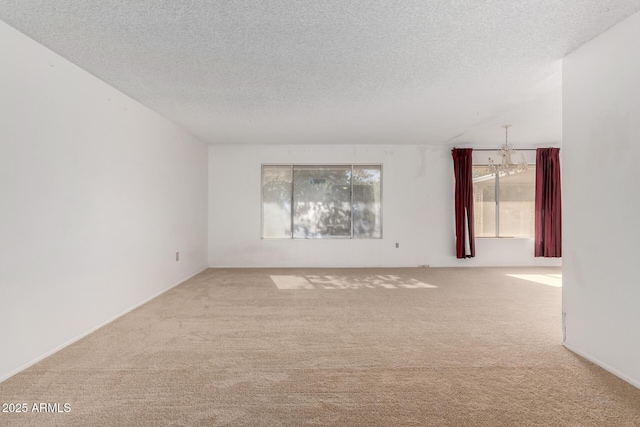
x=331, y=347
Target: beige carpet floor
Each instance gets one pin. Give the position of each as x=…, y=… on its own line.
x=332, y=347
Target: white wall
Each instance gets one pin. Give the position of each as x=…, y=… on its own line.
x=417, y=212
x=97, y=194
x=601, y=236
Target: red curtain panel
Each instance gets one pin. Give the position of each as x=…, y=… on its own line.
x=465, y=238
x=548, y=217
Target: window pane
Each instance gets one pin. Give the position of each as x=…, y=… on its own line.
x=276, y=201
x=516, y=203
x=322, y=200
x=367, y=206
x=484, y=202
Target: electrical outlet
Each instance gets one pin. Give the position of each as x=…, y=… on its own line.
x=177, y=256
x=397, y=245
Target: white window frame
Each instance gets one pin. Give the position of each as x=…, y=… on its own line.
x=481, y=159
x=320, y=165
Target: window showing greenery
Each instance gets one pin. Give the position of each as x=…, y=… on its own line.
x=329, y=201
x=511, y=213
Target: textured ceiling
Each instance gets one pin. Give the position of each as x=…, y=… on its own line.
x=334, y=71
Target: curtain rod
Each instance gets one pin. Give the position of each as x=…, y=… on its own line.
x=497, y=149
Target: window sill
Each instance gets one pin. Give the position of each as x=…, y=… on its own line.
x=505, y=237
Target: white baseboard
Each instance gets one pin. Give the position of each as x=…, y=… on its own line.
x=461, y=263
x=354, y=266
x=91, y=330
x=603, y=365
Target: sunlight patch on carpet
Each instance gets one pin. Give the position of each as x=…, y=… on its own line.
x=344, y=282
x=291, y=282
x=554, y=280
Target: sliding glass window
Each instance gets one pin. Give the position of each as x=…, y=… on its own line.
x=503, y=204
x=321, y=201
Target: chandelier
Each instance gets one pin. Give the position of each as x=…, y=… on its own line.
x=506, y=152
